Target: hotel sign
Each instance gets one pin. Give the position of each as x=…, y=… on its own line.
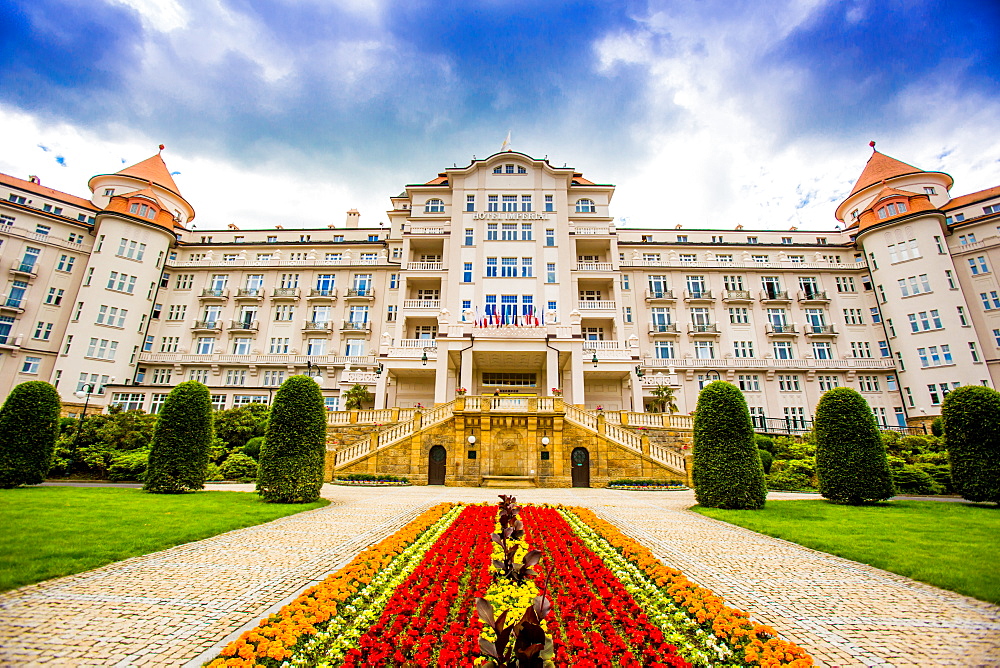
x=510, y=215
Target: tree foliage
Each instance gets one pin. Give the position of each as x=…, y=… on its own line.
x=356, y=397
x=178, y=456
x=236, y=426
x=851, y=461
x=29, y=425
x=293, y=455
x=971, y=416
x=663, y=400
x=727, y=471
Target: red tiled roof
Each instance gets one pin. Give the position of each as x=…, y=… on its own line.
x=438, y=180
x=147, y=193
x=881, y=167
x=972, y=198
x=6, y=179
x=152, y=169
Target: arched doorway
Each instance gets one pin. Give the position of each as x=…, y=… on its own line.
x=437, y=459
x=581, y=467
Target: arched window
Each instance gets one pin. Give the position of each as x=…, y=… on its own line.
x=585, y=206
x=434, y=206
x=891, y=209
x=143, y=210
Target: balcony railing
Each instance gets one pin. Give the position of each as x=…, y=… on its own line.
x=737, y=296
x=594, y=266
x=782, y=329
x=774, y=296
x=255, y=293
x=316, y=326
x=244, y=325
x=415, y=343
x=213, y=293
x=425, y=266
x=668, y=328
x=285, y=293
x=422, y=303
x=24, y=268
x=594, y=304
x=325, y=293
x=652, y=295
x=348, y=325
x=703, y=329
x=213, y=325
x=814, y=296
x=820, y=330
x=698, y=295
x=360, y=292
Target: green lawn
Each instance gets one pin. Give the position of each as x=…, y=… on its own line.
x=948, y=545
x=54, y=531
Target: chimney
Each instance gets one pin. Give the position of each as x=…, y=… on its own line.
x=353, y=218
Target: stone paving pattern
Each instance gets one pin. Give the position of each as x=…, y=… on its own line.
x=172, y=607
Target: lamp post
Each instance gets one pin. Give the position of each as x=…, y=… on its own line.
x=309, y=367
x=81, y=394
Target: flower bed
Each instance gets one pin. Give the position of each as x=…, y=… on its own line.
x=411, y=600
x=746, y=643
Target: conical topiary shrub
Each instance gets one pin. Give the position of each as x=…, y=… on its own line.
x=971, y=416
x=29, y=426
x=294, y=450
x=178, y=455
x=727, y=471
x=851, y=463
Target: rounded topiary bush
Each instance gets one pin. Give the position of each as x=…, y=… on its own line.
x=727, y=471
x=766, y=459
x=178, y=455
x=252, y=448
x=239, y=467
x=293, y=454
x=29, y=426
x=851, y=461
x=971, y=416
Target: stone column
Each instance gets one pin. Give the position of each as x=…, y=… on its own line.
x=551, y=371
x=637, y=405
x=381, y=387
x=441, y=392
x=576, y=395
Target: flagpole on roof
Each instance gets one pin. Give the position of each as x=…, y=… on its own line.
x=506, y=143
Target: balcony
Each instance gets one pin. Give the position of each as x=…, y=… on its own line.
x=737, y=296
x=703, y=330
x=698, y=296
x=596, y=305
x=669, y=329
x=250, y=294
x=313, y=326
x=820, y=330
x=327, y=294
x=285, y=294
x=206, y=325
x=349, y=326
x=12, y=304
x=775, y=296
x=210, y=294
x=24, y=269
x=425, y=266
x=243, y=326
x=814, y=297
x=422, y=303
x=782, y=330
x=360, y=293
x=606, y=350
x=660, y=295
x=594, y=266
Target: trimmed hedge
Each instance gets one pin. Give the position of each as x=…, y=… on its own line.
x=971, y=416
x=178, y=456
x=644, y=482
x=851, y=462
x=239, y=467
x=727, y=471
x=294, y=450
x=29, y=426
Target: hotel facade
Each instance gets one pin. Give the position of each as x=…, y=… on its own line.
x=505, y=276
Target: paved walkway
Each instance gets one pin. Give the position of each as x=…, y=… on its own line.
x=171, y=607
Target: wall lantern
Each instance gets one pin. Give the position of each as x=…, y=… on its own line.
x=595, y=360
x=638, y=371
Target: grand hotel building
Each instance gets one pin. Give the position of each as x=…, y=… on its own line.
x=507, y=275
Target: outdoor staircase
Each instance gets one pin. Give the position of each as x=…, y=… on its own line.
x=407, y=423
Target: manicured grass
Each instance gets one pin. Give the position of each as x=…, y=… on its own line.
x=53, y=531
x=948, y=545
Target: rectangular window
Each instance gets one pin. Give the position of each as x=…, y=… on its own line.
x=133, y=250
x=974, y=352
x=491, y=267
x=852, y=316
x=828, y=382
x=822, y=350
x=663, y=349
x=508, y=267
x=977, y=265
x=860, y=349
x=526, y=206
x=748, y=383
x=549, y=203
x=128, y=401
x=789, y=383
x=121, y=282
x=111, y=316
x=876, y=315
x=55, y=296
x=470, y=205
x=782, y=350
x=704, y=350
x=467, y=272
x=743, y=348
x=509, y=202
x=65, y=263
x=990, y=301
x=550, y=272
x=526, y=267
x=102, y=349
x=43, y=331
x=470, y=236
x=739, y=316
x=236, y=377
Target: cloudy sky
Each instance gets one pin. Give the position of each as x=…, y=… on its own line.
x=704, y=113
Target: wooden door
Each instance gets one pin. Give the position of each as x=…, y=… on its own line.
x=581, y=467
x=437, y=461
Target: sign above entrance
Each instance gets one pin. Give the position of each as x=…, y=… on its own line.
x=510, y=215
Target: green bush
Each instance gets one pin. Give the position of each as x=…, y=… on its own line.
x=766, y=459
x=292, y=458
x=786, y=447
x=372, y=477
x=851, y=462
x=937, y=427
x=940, y=474
x=237, y=426
x=764, y=443
x=129, y=465
x=910, y=479
x=971, y=416
x=253, y=446
x=178, y=457
x=239, y=467
x=727, y=471
x=29, y=426
x=644, y=482
x=790, y=481
x=212, y=473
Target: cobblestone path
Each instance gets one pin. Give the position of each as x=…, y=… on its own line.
x=173, y=607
